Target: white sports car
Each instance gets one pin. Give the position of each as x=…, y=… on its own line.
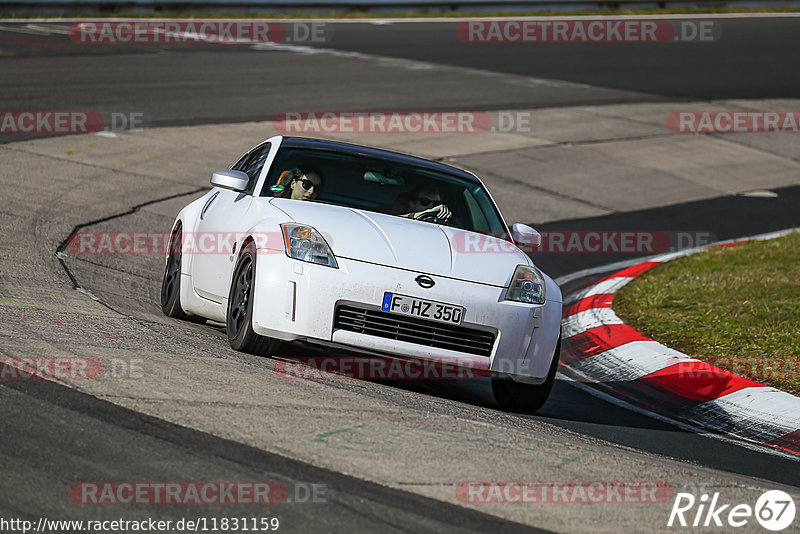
x=368, y=251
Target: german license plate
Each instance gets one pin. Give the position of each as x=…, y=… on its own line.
x=426, y=309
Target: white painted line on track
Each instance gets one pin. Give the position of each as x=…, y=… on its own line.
x=417, y=66
x=35, y=29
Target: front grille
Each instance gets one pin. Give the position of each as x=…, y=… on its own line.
x=413, y=330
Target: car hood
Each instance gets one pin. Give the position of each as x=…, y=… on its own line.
x=408, y=244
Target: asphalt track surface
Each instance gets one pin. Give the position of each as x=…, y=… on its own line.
x=76, y=433
x=196, y=84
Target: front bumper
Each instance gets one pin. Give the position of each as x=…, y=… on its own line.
x=296, y=300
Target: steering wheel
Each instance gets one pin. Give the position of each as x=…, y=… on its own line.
x=433, y=216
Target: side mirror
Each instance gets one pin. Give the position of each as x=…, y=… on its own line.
x=236, y=180
x=525, y=236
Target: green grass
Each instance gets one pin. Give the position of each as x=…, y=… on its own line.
x=737, y=308
x=357, y=14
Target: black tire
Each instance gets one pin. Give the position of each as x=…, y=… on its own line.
x=171, y=283
x=526, y=397
x=239, y=319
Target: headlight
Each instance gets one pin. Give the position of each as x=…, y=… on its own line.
x=304, y=243
x=527, y=285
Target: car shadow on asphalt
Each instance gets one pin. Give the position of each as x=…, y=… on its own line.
x=567, y=403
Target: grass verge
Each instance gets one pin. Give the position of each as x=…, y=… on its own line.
x=737, y=308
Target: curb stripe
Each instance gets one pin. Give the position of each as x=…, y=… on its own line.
x=634, y=270
x=730, y=243
x=586, y=320
x=781, y=409
x=607, y=285
x=789, y=442
x=695, y=382
x=760, y=414
x=600, y=339
x=602, y=300
x=598, y=345
x=629, y=362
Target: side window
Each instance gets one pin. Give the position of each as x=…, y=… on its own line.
x=242, y=162
x=252, y=163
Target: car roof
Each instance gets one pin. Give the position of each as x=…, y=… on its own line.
x=349, y=148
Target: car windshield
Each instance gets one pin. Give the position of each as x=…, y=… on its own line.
x=385, y=186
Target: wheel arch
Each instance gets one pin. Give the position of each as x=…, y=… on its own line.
x=187, y=219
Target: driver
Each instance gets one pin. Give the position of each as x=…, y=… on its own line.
x=427, y=200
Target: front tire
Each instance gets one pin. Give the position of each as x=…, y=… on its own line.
x=171, y=283
x=239, y=320
x=526, y=397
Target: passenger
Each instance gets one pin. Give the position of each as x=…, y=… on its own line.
x=300, y=184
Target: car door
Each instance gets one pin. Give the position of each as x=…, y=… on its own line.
x=223, y=221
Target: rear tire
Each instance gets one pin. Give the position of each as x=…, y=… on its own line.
x=171, y=283
x=526, y=397
x=239, y=320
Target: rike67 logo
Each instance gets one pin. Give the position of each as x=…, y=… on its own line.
x=774, y=510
